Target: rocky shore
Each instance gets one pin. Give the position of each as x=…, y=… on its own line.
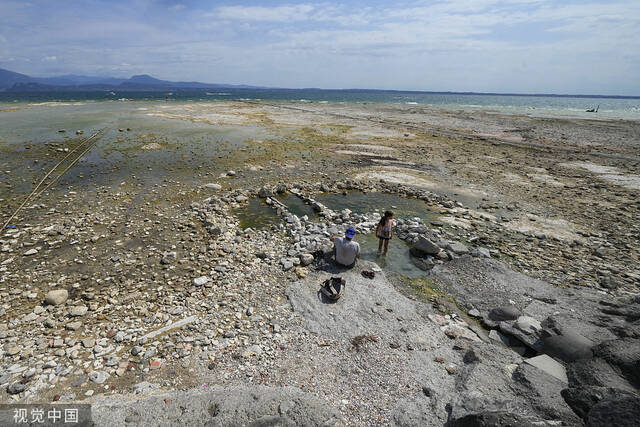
x=141, y=298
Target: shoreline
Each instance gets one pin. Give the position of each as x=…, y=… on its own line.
x=133, y=251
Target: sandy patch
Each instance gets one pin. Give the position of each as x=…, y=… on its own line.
x=608, y=173
x=459, y=222
x=210, y=118
x=392, y=162
x=546, y=178
x=377, y=132
x=559, y=228
x=503, y=136
x=407, y=176
x=514, y=178
x=398, y=175
x=357, y=153
x=538, y=170
x=372, y=147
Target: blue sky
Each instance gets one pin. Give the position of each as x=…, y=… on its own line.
x=550, y=46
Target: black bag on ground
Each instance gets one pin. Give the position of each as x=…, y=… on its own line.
x=333, y=288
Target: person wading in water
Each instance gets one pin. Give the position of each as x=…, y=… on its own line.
x=384, y=231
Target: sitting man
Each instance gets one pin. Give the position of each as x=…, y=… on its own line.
x=345, y=249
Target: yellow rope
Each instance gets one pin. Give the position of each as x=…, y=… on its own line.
x=50, y=172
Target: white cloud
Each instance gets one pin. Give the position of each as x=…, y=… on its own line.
x=495, y=45
x=285, y=13
x=51, y=58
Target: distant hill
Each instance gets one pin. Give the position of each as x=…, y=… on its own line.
x=16, y=82
x=9, y=78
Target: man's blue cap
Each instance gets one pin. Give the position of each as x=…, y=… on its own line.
x=350, y=232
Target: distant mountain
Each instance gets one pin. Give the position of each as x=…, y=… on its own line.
x=16, y=82
x=9, y=78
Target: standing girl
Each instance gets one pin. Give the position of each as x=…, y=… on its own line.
x=384, y=231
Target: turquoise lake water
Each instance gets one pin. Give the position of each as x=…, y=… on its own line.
x=539, y=105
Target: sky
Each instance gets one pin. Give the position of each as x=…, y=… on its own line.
x=504, y=46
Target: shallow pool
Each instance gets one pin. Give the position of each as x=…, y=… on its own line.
x=403, y=207
x=256, y=214
x=296, y=205
x=396, y=260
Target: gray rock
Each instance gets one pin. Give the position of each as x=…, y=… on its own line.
x=499, y=338
x=199, y=281
x=550, y=366
x=624, y=354
x=531, y=338
x=73, y=326
x=492, y=419
x=424, y=264
x=264, y=193
x=508, y=312
x=11, y=350
x=583, y=399
x=151, y=351
x=217, y=406
x=78, y=311
x=595, y=372
x=474, y=313
x=567, y=348
x=615, y=411
x=56, y=297
x=306, y=259
x=287, y=265
x=528, y=325
x=426, y=246
x=459, y=249
x=475, y=408
x=98, y=377
x=213, y=186
x=16, y=388
x=541, y=391
x=144, y=387
x=480, y=252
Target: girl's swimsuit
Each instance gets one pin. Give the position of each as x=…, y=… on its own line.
x=385, y=231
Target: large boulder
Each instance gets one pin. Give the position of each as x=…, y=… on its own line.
x=508, y=312
x=568, y=348
x=583, y=399
x=624, y=354
x=493, y=418
x=615, y=411
x=426, y=246
x=595, y=372
x=542, y=391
